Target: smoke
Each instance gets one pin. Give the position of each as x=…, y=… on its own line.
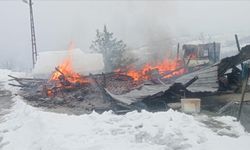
x=159, y=43
x=137, y=23
x=140, y=24
x=146, y=26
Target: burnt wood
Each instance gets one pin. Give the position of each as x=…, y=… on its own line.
x=232, y=61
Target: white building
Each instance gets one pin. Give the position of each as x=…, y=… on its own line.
x=83, y=63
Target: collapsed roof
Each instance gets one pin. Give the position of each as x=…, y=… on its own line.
x=208, y=80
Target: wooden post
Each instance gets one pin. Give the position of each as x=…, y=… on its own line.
x=237, y=42
x=238, y=46
x=214, y=44
x=178, y=51
x=244, y=86
x=104, y=80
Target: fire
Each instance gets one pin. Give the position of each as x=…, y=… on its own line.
x=65, y=71
x=165, y=69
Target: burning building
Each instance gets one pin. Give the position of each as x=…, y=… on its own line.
x=151, y=86
x=69, y=85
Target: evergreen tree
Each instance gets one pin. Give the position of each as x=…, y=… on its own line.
x=113, y=50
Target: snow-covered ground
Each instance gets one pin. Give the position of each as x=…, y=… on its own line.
x=29, y=128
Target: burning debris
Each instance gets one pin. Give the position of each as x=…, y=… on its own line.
x=67, y=88
x=151, y=87
x=165, y=69
x=216, y=84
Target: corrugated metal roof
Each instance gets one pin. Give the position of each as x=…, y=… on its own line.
x=207, y=80
x=139, y=94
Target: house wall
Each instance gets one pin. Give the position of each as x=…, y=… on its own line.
x=211, y=51
x=83, y=63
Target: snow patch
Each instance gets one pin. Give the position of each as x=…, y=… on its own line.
x=29, y=128
x=4, y=79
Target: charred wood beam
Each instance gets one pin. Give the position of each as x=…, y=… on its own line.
x=244, y=86
x=16, y=85
x=186, y=64
x=26, y=82
x=173, y=94
x=63, y=79
x=232, y=61
x=163, y=83
x=238, y=46
x=104, y=80
x=187, y=84
x=171, y=72
x=237, y=42
x=178, y=51
x=32, y=79
x=57, y=69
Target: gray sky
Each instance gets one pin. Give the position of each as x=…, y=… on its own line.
x=135, y=22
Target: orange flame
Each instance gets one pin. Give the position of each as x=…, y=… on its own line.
x=166, y=69
x=66, y=68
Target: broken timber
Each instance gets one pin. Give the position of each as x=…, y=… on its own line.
x=201, y=83
x=205, y=84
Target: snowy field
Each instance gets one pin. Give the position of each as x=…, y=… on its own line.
x=29, y=128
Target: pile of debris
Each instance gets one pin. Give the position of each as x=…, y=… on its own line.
x=215, y=85
x=152, y=88
x=86, y=93
x=66, y=88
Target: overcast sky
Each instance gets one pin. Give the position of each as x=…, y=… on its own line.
x=60, y=21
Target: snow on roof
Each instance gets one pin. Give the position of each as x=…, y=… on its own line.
x=83, y=63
